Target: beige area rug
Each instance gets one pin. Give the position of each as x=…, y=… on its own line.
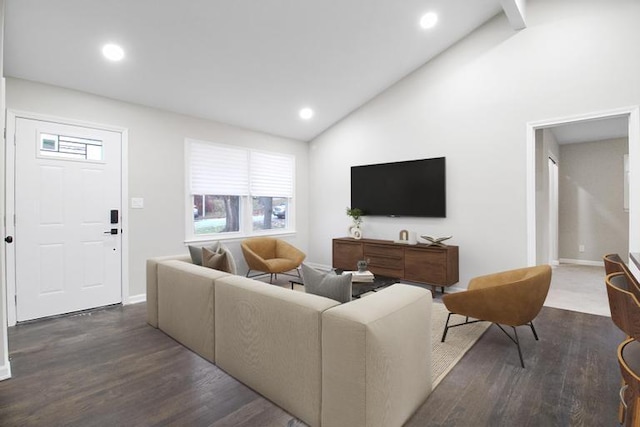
x=446, y=354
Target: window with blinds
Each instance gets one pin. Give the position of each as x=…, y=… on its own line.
x=237, y=190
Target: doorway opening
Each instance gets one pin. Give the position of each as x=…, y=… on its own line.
x=578, y=207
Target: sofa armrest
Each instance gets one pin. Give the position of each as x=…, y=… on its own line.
x=185, y=305
x=152, y=285
x=376, y=358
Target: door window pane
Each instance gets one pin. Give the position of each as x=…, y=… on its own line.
x=68, y=147
x=216, y=214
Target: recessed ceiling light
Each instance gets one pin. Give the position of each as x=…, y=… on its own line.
x=428, y=20
x=306, y=113
x=113, y=52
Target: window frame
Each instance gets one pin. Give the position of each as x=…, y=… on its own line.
x=245, y=205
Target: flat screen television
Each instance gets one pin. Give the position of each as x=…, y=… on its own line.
x=410, y=188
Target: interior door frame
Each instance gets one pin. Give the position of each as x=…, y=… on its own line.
x=10, y=166
x=633, y=115
x=554, y=241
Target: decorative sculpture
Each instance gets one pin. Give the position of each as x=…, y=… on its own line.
x=436, y=241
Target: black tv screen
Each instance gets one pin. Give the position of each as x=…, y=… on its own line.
x=410, y=188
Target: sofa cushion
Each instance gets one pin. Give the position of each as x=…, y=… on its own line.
x=328, y=285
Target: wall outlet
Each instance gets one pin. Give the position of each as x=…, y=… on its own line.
x=581, y=248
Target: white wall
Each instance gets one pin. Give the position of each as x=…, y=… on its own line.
x=156, y=164
x=591, y=207
x=472, y=104
x=5, y=366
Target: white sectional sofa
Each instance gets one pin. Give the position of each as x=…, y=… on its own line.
x=363, y=363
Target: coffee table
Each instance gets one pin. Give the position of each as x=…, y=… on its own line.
x=360, y=288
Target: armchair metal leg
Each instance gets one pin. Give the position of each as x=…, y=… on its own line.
x=534, y=331
x=518, y=344
x=515, y=340
x=446, y=328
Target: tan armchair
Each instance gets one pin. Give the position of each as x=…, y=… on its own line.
x=511, y=298
x=271, y=256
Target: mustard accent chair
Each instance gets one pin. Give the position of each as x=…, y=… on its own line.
x=511, y=298
x=271, y=256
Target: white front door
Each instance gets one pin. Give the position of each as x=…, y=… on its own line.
x=67, y=238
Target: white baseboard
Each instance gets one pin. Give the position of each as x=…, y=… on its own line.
x=581, y=262
x=5, y=370
x=135, y=299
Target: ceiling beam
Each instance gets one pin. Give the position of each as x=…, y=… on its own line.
x=515, y=11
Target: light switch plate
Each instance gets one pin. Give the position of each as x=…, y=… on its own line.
x=137, y=203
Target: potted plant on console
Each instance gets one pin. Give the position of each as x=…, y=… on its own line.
x=356, y=216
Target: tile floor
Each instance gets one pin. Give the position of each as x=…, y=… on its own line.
x=578, y=288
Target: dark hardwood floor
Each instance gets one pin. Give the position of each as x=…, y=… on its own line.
x=109, y=368
x=571, y=377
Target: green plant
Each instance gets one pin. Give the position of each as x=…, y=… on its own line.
x=355, y=214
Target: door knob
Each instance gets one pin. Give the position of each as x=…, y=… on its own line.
x=8, y=239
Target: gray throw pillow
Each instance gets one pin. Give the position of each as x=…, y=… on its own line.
x=196, y=252
x=327, y=285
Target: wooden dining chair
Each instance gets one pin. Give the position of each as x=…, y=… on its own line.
x=624, y=305
x=614, y=264
x=629, y=361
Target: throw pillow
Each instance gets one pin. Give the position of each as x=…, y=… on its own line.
x=196, y=252
x=233, y=269
x=327, y=285
x=216, y=260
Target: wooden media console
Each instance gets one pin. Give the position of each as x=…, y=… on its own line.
x=420, y=263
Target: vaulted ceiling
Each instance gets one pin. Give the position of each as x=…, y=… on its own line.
x=252, y=64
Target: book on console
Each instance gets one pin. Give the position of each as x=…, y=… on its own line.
x=357, y=276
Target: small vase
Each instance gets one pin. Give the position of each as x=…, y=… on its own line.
x=355, y=232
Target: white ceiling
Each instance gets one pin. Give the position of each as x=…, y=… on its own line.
x=248, y=63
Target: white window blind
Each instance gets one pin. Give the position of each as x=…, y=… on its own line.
x=218, y=169
x=271, y=174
